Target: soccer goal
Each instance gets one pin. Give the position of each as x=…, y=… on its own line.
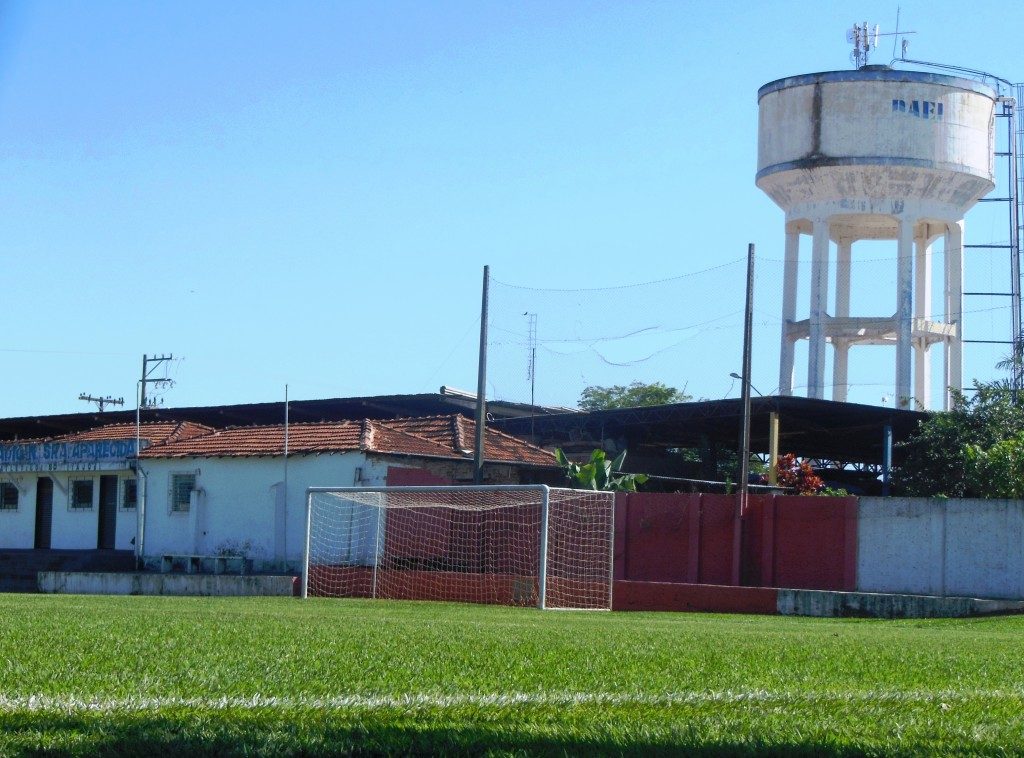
x=528, y=545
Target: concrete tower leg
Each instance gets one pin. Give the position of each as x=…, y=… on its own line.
x=789, y=285
x=904, y=311
x=819, y=309
x=922, y=310
x=840, y=369
x=954, y=278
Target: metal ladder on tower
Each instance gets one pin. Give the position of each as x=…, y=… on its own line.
x=1008, y=109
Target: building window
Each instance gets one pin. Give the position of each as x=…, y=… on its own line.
x=81, y=493
x=130, y=494
x=8, y=497
x=181, y=492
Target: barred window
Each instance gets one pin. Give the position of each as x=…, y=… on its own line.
x=130, y=494
x=8, y=497
x=81, y=493
x=181, y=491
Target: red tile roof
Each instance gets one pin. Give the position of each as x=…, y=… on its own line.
x=431, y=437
x=153, y=432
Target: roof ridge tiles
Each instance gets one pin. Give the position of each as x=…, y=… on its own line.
x=366, y=434
x=421, y=438
x=460, y=441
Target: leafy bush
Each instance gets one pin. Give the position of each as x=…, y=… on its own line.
x=599, y=473
x=973, y=450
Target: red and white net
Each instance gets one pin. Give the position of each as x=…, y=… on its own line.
x=463, y=544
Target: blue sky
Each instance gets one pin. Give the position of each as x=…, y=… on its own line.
x=306, y=193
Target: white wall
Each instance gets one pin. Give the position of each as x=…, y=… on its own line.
x=972, y=548
x=242, y=499
x=18, y=528
x=985, y=548
x=72, y=528
x=899, y=545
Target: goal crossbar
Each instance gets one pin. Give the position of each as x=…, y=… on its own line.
x=508, y=544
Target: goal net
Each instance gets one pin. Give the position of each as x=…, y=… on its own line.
x=527, y=545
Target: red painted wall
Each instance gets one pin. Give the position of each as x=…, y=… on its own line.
x=798, y=542
x=653, y=536
x=718, y=523
x=815, y=543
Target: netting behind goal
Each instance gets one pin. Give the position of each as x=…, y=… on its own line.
x=509, y=545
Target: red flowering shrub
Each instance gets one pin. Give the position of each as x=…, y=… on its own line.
x=798, y=475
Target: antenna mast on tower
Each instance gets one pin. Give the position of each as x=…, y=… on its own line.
x=149, y=365
x=864, y=39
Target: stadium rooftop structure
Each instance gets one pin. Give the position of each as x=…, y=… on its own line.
x=444, y=402
x=828, y=431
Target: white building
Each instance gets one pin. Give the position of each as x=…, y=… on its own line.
x=77, y=491
x=235, y=492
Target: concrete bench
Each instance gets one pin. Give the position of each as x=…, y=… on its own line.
x=197, y=564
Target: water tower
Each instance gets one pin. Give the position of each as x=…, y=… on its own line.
x=875, y=154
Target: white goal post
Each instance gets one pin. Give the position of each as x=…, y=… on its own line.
x=529, y=545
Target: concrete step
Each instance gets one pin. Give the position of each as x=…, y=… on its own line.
x=19, y=569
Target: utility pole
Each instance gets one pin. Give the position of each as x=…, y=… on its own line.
x=481, y=384
x=741, y=501
x=149, y=365
x=531, y=366
x=102, y=402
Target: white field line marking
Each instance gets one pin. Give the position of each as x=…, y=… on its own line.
x=36, y=703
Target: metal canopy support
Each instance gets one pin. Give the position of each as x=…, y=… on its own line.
x=773, y=448
x=886, y=459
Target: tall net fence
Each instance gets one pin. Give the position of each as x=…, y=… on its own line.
x=516, y=545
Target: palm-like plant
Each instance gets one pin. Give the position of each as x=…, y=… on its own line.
x=599, y=473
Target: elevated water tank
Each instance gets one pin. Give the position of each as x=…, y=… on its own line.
x=875, y=154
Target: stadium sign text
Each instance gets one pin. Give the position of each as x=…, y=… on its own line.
x=102, y=455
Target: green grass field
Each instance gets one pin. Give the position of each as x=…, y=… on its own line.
x=151, y=675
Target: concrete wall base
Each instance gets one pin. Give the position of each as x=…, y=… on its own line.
x=95, y=583
x=879, y=605
x=712, y=598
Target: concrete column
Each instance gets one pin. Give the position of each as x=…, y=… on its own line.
x=922, y=309
x=840, y=369
x=819, y=309
x=954, y=279
x=904, y=312
x=789, y=283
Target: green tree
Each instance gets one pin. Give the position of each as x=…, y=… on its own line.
x=973, y=450
x=635, y=395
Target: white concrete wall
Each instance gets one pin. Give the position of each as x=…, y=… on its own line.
x=899, y=545
x=17, y=528
x=985, y=548
x=85, y=583
x=78, y=528
x=972, y=548
x=127, y=518
x=72, y=528
x=242, y=500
